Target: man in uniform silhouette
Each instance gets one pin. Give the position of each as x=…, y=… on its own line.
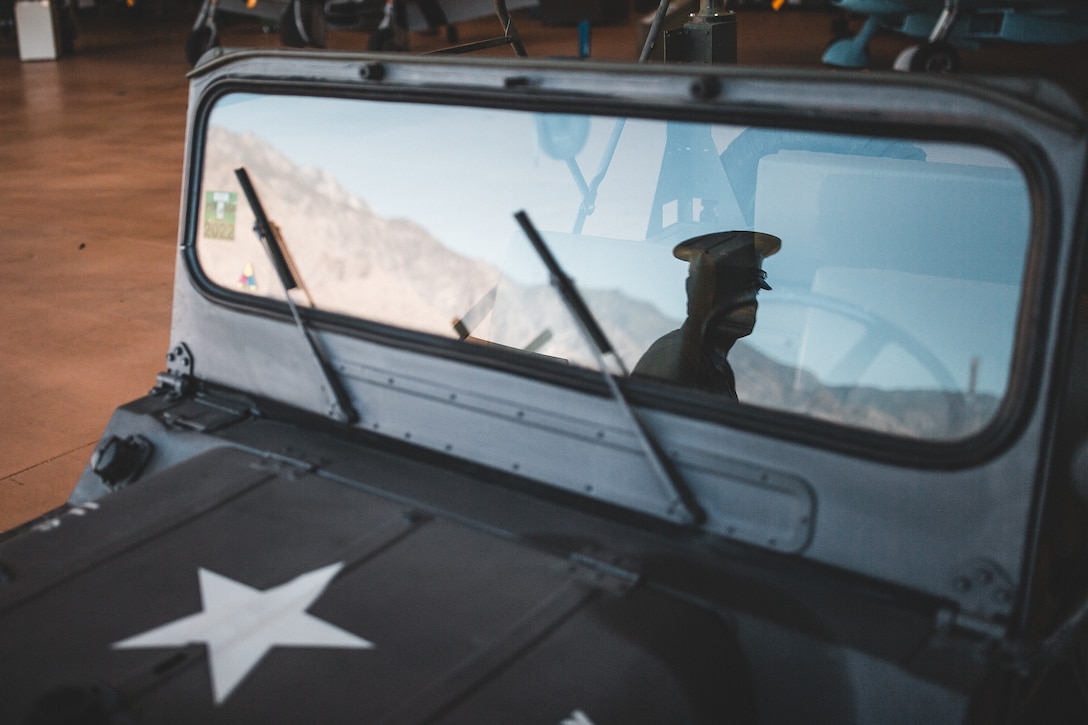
x=725, y=273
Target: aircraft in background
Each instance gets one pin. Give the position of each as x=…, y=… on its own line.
x=946, y=24
x=304, y=23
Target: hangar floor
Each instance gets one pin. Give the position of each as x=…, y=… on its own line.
x=90, y=173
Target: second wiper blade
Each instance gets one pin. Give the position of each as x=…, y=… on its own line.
x=684, y=507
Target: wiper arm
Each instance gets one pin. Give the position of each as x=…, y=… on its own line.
x=683, y=507
x=340, y=406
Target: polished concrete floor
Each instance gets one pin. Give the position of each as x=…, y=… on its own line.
x=90, y=170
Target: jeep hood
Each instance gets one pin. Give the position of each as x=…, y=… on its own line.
x=232, y=589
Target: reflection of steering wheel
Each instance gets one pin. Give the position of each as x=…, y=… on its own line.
x=879, y=333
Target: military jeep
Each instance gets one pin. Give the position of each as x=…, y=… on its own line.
x=538, y=391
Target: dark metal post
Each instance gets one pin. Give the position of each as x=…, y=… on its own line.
x=710, y=37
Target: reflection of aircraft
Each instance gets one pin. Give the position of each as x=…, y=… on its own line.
x=945, y=24
x=304, y=23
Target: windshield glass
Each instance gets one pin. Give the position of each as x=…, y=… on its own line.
x=873, y=282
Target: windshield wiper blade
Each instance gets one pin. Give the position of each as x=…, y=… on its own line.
x=340, y=407
x=683, y=507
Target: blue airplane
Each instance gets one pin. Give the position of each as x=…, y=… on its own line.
x=946, y=24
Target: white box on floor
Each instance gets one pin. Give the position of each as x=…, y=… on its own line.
x=35, y=24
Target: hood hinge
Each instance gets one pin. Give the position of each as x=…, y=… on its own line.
x=603, y=571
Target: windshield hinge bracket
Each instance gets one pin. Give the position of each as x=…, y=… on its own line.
x=176, y=381
x=983, y=597
x=983, y=589
x=952, y=622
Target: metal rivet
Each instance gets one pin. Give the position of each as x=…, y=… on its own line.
x=706, y=88
x=372, y=72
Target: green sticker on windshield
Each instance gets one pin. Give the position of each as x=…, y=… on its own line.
x=219, y=210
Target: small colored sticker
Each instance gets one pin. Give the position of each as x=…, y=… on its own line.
x=248, y=279
x=219, y=211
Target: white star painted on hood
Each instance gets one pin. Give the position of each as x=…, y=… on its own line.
x=240, y=624
x=577, y=718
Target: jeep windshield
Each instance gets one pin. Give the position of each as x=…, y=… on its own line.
x=886, y=250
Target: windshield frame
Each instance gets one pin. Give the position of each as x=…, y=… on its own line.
x=1021, y=392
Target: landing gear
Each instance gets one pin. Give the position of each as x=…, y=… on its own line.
x=938, y=57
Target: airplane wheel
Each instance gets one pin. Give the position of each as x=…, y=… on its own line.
x=904, y=59
x=198, y=42
x=935, y=58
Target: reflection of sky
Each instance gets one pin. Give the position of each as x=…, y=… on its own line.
x=463, y=173
x=421, y=162
x=400, y=159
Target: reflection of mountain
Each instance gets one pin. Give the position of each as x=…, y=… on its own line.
x=394, y=271
x=915, y=413
x=389, y=270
